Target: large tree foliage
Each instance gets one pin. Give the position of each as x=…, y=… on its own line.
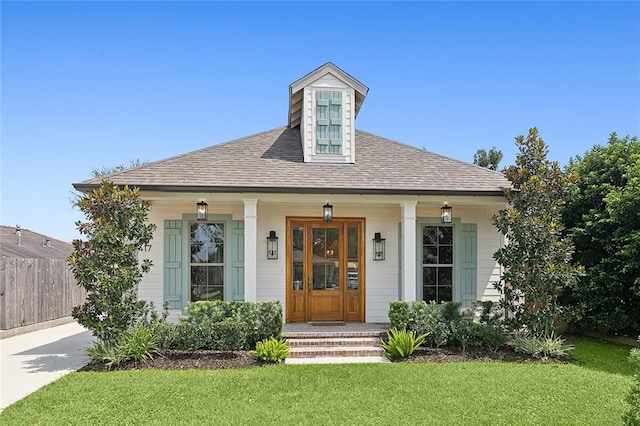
x=537, y=257
x=106, y=262
x=490, y=159
x=603, y=215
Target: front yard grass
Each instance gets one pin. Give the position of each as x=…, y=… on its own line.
x=399, y=393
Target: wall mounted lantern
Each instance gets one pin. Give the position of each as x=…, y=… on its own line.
x=201, y=210
x=327, y=212
x=378, y=247
x=446, y=213
x=272, y=245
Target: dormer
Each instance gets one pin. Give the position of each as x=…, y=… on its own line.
x=325, y=103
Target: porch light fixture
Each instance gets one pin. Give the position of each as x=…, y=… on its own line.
x=272, y=245
x=327, y=213
x=378, y=246
x=446, y=213
x=201, y=210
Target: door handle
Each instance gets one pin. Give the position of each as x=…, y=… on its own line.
x=309, y=281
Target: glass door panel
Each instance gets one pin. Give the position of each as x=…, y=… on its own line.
x=298, y=258
x=326, y=268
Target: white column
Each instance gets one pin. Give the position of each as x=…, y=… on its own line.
x=409, y=251
x=250, y=249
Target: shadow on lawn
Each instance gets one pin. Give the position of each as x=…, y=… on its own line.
x=601, y=355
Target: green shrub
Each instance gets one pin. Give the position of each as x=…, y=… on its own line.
x=272, y=350
x=108, y=353
x=223, y=325
x=444, y=324
x=438, y=333
x=451, y=311
x=546, y=346
x=492, y=336
x=465, y=332
x=228, y=335
x=422, y=318
x=401, y=343
x=192, y=335
x=632, y=417
x=137, y=344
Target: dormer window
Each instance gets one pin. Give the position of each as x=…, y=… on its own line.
x=328, y=122
x=324, y=104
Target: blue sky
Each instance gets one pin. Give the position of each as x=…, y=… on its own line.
x=92, y=84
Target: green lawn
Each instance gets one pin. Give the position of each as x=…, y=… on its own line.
x=591, y=391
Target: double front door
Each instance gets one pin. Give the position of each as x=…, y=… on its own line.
x=325, y=270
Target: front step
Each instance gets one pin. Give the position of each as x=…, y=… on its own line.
x=335, y=351
x=335, y=344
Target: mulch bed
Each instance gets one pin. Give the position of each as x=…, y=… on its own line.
x=217, y=360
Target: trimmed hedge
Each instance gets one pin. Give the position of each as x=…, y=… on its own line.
x=226, y=326
x=444, y=325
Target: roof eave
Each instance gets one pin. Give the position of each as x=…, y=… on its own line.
x=84, y=187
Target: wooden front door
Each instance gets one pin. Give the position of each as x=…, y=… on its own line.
x=325, y=270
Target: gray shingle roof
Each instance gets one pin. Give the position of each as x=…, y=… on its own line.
x=272, y=161
x=31, y=246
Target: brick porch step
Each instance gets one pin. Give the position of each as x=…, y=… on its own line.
x=335, y=351
x=334, y=343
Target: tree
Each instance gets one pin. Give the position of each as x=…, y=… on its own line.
x=108, y=170
x=106, y=263
x=490, y=159
x=537, y=257
x=603, y=216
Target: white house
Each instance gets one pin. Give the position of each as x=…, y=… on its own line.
x=333, y=222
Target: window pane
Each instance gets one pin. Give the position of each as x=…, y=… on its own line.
x=207, y=283
x=429, y=235
x=445, y=255
x=445, y=235
x=444, y=294
x=207, y=243
x=352, y=275
x=429, y=294
x=430, y=255
x=445, y=276
x=429, y=276
x=353, y=240
x=298, y=242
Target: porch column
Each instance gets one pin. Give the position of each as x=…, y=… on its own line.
x=409, y=251
x=250, y=249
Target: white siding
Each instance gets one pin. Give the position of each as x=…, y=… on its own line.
x=382, y=214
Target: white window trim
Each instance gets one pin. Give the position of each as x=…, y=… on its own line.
x=436, y=265
x=224, y=257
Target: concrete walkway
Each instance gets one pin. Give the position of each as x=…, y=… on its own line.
x=32, y=360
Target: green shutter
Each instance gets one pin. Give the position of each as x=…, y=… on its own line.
x=329, y=122
x=467, y=264
x=236, y=284
x=173, y=252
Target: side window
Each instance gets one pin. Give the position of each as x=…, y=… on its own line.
x=437, y=263
x=206, y=262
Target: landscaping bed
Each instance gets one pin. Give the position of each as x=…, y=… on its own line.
x=218, y=360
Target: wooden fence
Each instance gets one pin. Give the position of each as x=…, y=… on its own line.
x=36, y=290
